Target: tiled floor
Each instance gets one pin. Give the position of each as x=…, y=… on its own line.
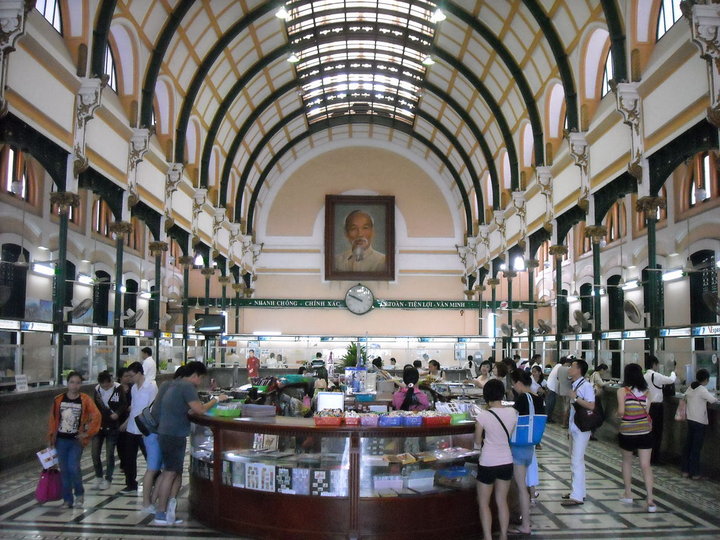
x=686, y=509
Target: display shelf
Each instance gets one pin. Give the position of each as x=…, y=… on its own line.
x=331, y=481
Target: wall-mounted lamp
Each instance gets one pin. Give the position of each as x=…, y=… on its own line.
x=85, y=279
x=44, y=269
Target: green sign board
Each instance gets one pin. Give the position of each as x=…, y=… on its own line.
x=274, y=303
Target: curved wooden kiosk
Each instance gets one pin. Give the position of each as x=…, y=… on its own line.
x=288, y=478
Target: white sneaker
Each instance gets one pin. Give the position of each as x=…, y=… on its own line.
x=98, y=483
x=625, y=500
x=171, y=508
x=105, y=484
x=79, y=502
x=150, y=509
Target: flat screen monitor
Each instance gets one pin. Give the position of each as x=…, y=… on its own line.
x=212, y=323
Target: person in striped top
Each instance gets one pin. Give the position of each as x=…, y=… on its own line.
x=635, y=431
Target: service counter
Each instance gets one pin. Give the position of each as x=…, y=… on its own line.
x=284, y=477
x=674, y=432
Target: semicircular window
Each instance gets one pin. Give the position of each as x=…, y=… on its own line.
x=364, y=59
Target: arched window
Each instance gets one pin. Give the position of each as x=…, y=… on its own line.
x=102, y=217
x=13, y=281
x=543, y=255
x=563, y=312
x=616, y=222
x=668, y=16
x=607, y=75
x=17, y=176
x=702, y=183
x=134, y=239
x=703, y=278
x=110, y=69
x=645, y=277
x=130, y=302
x=50, y=9
x=616, y=299
x=101, y=298
x=582, y=242
x=174, y=252
x=586, y=298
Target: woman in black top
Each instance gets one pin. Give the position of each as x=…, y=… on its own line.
x=523, y=455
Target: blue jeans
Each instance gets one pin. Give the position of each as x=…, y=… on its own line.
x=69, y=452
x=693, y=445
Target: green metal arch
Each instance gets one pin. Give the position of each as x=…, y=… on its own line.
x=100, y=36
x=617, y=39
x=340, y=121
x=278, y=53
x=158, y=54
x=606, y=196
x=515, y=71
x=204, y=69
x=548, y=29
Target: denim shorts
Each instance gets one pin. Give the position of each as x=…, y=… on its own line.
x=522, y=455
x=154, y=456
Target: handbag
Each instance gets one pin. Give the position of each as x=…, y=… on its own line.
x=49, y=486
x=681, y=413
x=146, y=421
x=668, y=390
x=529, y=428
x=585, y=419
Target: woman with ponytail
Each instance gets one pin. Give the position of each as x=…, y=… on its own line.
x=410, y=398
x=697, y=398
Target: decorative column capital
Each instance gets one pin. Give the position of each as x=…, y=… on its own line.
x=64, y=200
x=186, y=260
x=627, y=99
x=558, y=251
x=493, y=282
x=238, y=287
x=207, y=272
x=596, y=233
x=480, y=288
x=224, y=280
x=172, y=178
x=509, y=274
x=469, y=294
x=532, y=263
x=120, y=228
x=578, y=149
x=705, y=28
x=156, y=248
x=139, y=144
x=248, y=292
x=650, y=205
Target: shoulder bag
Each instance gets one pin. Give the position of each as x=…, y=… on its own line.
x=529, y=428
x=146, y=421
x=668, y=390
x=585, y=419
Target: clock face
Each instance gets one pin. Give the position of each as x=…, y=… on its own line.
x=359, y=299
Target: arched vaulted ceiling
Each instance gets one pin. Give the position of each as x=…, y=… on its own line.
x=359, y=62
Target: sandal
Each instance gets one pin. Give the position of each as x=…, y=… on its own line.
x=518, y=532
x=571, y=502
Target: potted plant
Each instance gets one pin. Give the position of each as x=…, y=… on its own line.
x=351, y=356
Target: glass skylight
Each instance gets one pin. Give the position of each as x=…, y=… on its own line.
x=360, y=57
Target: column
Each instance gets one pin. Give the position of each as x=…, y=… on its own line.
x=509, y=275
x=187, y=262
x=64, y=200
x=156, y=250
x=494, y=282
x=208, y=273
x=596, y=233
x=531, y=265
x=119, y=229
x=650, y=206
x=558, y=252
x=238, y=288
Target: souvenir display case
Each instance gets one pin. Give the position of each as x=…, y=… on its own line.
x=286, y=477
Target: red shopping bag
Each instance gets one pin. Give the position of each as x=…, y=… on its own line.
x=49, y=487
